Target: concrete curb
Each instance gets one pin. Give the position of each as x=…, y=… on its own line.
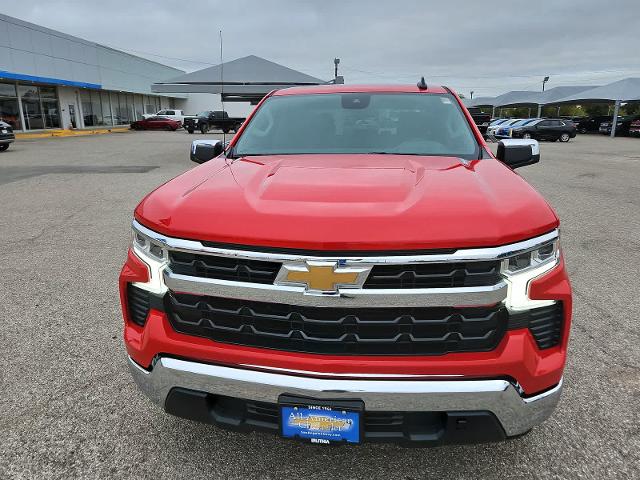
x=70, y=133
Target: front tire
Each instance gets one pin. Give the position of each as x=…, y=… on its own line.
x=190, y=130
x=4, y=147
x=203, y=129
x=564, y=138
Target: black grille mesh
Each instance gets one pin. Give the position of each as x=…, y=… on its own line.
x=138, y=304
x=346, y=331
x=223, y=268
x=434, y=275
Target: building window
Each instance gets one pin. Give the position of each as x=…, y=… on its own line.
x=115, y=109
x=9, y=111
x=31, y=107
x=87, y=109
x=50, y=110
x=106, y=108
x=96, y=108
x=123, y=113
x=139, y=106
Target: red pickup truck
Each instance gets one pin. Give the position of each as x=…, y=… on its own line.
x=355, y=266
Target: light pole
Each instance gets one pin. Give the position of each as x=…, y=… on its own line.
x=545, y=80
x=336, y=62
x=471, y=94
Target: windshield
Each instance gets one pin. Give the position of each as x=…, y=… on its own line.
x=408, y=124
x=203, y=114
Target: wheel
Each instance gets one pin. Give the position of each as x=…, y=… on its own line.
x=4, y=147
x=190, y=130
x=225, y=130
x=564, y=137
x=169, y=128
x=526, y=135
x=582, y=130
x=203, y=129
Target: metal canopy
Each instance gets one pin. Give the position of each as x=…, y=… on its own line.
x=478, y=102
x=245, y=79
x=627, y=89
x=516, y=97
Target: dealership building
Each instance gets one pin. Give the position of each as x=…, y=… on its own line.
x=51, y=80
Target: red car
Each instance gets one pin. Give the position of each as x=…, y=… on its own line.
x=156, y=123
x=355, y=266
x=634, y=129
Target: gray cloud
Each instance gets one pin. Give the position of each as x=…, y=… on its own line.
x=489, y=47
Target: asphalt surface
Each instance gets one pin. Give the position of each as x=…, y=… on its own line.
x=69, y=408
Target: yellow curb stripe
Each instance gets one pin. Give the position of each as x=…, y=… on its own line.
x=70, y=133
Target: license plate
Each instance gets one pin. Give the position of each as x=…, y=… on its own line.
x=320, y=421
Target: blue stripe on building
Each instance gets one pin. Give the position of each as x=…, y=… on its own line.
x=55, y=81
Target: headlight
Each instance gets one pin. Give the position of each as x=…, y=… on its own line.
x=519, y=270
x=148, y=247
x=540, y=256
x=155, y=255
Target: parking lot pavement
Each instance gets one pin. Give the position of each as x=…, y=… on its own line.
x=70, y=409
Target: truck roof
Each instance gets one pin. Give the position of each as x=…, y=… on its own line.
x=314, y=89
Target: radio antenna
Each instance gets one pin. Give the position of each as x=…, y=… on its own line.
x=224, y=138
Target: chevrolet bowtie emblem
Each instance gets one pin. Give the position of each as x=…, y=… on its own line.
x=321, y=276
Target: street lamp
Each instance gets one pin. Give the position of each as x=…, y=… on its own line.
x=545, y=80
x=336, y=62
x=471, y=94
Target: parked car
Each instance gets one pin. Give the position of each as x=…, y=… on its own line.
x=546, y=129
x=173, y=114
x=591, y=123
x=156, y=123
x=480, y=118
x=212, y=120
x=296, y=284
x=622, y=126
x=492, y=130
x=114, y=120
x=7, y=137
x=505, y=132
x=634, y=129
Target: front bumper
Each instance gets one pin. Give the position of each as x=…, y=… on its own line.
x=6, y=139
x=515, y=413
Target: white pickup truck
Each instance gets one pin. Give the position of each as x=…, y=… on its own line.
x=171, y=113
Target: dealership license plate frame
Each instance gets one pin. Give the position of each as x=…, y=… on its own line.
x=339, y=410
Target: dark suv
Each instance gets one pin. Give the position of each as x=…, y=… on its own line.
x=546, y=129
x=592, y=123
x=622, y=126
x=6, y=136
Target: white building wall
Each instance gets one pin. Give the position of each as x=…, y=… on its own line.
x=30, y=49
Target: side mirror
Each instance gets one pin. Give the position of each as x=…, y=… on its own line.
x=517, y=153
x=205, y=150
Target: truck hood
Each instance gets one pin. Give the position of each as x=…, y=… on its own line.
x=349, y=202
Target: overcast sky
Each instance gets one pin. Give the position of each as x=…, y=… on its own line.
x=460, y=43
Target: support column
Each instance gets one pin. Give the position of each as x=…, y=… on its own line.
x=19, y=97
x=616, y=110
x=539, y=111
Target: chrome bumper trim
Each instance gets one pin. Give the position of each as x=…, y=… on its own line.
x=346, y=297
x=461, y=255
x=515, y=413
